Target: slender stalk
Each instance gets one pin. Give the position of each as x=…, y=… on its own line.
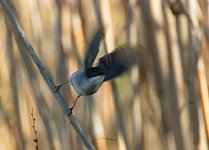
x=109, y=45
x=202, y=81
x=13, y=77
x=28, y=47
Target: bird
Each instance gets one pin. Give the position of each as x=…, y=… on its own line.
x=87, y=80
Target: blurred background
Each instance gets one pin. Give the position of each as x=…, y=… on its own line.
x=161, y=103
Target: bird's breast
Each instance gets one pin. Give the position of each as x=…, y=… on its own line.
x=84, y=85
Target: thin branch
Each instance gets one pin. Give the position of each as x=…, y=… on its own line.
x=45, y=74
x=35, y=140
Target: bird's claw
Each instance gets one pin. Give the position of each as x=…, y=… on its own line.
x=58, y=87
x=70, y=111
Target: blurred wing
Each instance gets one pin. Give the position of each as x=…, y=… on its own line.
x=94, y=71
x=117, y=62
x=93, y=48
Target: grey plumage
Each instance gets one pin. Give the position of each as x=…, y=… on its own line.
x=88, y=80
x=84, y=85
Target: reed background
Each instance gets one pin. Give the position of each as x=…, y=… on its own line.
x=160, y=104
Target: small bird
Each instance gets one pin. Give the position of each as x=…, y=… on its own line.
x=88, y=80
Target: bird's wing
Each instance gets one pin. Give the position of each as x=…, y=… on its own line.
x=93, y=48
x=120, y=60
x=94, y=71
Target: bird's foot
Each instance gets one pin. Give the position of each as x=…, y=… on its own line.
x=70, y=111
x=58, y=87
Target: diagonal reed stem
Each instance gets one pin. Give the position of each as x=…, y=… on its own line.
x=28, y=47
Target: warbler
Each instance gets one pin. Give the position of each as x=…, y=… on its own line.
x=89, y=79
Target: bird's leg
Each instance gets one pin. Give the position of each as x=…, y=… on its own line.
x=59, y=86
x=71, y=109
